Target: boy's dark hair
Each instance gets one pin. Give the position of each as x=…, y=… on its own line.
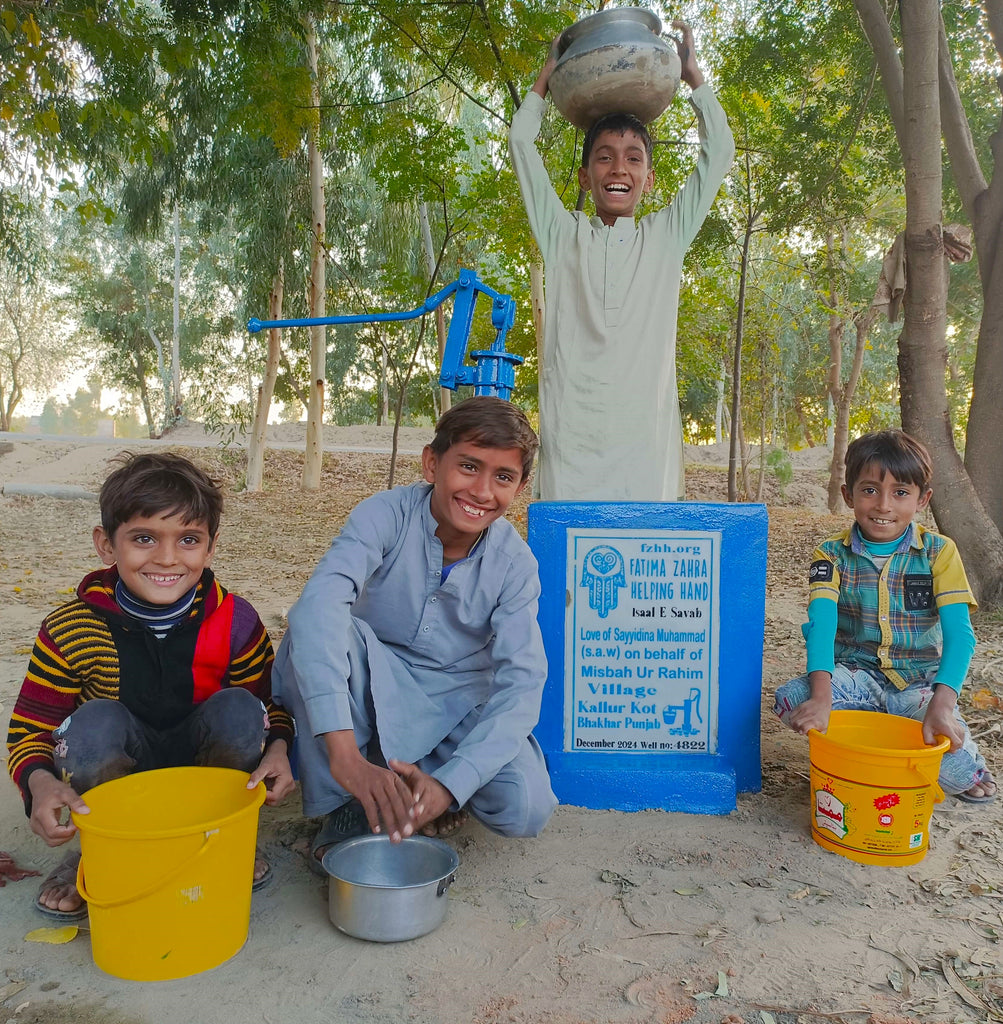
x=489, y=423
x=619, y=124
x=895, y=452
x=149, y=484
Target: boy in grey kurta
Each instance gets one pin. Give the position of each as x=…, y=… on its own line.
x=609, y=408
x=413, y=656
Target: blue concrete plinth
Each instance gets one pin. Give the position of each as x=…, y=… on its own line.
x=652, y=616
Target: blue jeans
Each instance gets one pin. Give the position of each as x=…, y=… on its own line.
x=856, y=689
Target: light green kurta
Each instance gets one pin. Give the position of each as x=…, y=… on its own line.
x=609, y=407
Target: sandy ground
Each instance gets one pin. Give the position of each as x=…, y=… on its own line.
x=607, y=917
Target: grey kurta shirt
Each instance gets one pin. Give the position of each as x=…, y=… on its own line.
x=436, y=651
x=609, y=408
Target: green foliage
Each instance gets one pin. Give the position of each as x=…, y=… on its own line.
x=115, y=113
x=779, y=464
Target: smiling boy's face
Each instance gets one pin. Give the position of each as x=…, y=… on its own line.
x=159, y=557
x=472, y=486
x=617, y=174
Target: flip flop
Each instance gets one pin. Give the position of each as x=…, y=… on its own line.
x=258, y=884
x=344, y=822
x=64, y=873
x=987, y=798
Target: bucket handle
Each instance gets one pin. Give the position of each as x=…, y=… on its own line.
x=150, y=889
x=930, y=778
x=445, y=883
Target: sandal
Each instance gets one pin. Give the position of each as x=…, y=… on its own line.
x=983, y=798
x=63, y=875
x=260, y=883
x=344, y=822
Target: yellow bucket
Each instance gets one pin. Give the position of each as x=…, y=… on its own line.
x=873, y=787
x=166, y=869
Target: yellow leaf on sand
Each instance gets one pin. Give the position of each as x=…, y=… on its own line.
x=985, y=699
x=53, y=936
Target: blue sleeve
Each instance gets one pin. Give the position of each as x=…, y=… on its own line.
x=959, y=643
x=820, y=635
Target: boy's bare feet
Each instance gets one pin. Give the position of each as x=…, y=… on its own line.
x=58, y=896
x=982, y=792
x=445, y=825
x=262, y=871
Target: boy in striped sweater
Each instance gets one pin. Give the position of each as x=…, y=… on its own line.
x=153, y=665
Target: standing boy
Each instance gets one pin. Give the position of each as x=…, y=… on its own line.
x=888, y=614
x=609, y=409
x=413, y=661
x=153, y=665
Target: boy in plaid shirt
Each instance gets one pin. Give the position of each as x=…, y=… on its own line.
x=888, y=614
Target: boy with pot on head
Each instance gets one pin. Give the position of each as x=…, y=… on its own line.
x=609, y=410
x=153, y=665
x=888, y=614
x=413, y=661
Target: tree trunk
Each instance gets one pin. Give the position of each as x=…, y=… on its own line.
x=913, y=91
x=736, y=372
x=318, y=334
x=985, y=418
x=256, y=448
x=174, y=403
x=445, y=395
x=841, y=427
x=539, y=304
x=923, y=345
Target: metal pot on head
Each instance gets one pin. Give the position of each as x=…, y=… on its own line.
x=615, y=61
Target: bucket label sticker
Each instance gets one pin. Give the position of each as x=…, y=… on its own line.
x=916, y=840
x=830, y=812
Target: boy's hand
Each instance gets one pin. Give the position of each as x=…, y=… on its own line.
x=48, y=798
x=686, y=49
x=274, y=769
x=812, y=714
x=939, y=719
x=815, y=711
x=384, y=796
x=542, y=82
x=431, y=798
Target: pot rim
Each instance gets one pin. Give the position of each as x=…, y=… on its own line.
x=332, y=855
x=638, y=15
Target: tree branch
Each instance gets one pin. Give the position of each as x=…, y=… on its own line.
x=957, y=134
x=879, y=34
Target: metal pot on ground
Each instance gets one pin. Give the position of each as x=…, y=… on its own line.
x=389, y=892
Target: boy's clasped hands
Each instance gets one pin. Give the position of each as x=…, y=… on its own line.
x=399, y=800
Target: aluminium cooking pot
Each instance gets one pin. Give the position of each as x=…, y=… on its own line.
x=389, y=892
x=615, y=61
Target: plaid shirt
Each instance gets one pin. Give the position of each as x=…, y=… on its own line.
x=889, y=617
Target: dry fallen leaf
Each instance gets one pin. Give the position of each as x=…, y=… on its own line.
x=53, y=936
x=986, y=699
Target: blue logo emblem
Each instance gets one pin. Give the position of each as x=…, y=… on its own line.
x=603, y=574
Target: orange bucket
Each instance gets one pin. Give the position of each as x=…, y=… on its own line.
x=873, y=787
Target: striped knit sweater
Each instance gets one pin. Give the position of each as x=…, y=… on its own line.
x=88, y=649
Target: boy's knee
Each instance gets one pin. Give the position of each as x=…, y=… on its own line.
x=515, y=805
x=230, y=730
x=789, y=696
x=91, y=744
